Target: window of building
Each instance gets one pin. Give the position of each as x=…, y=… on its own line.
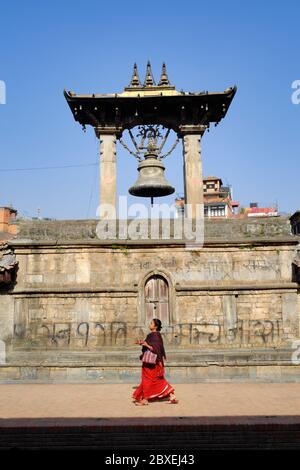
x=217, y=211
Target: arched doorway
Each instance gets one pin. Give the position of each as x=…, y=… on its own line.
x=157, y=299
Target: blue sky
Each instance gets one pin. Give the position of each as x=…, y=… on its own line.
x=91, y=46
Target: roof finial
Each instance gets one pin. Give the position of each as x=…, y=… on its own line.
x=164, y=80
x=149, y=79
x=135, y=79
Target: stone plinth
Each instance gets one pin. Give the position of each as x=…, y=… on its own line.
x=78, y=303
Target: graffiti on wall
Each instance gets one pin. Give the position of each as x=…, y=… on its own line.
x=94, y=335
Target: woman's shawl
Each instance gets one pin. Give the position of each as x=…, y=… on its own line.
x=155, y=340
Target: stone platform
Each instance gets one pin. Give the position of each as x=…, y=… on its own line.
x=185, y=366
x=230, y=308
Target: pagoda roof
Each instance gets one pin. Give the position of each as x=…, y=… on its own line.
x=150, y=104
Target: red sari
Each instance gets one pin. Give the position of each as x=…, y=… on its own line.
x=153, y=384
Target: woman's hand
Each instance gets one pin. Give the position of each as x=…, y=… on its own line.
x=144, y=343
x=141, y=342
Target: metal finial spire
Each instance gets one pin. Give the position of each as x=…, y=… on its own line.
x=164, y=80
x=135, y=79
x=149, y=79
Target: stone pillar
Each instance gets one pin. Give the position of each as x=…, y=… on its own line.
x=108, y=168
x=192, y=168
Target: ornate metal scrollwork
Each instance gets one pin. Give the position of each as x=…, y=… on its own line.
x=149, y=138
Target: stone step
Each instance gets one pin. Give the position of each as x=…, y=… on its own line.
x=198, y=437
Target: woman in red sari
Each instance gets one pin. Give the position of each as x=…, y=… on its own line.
x=153, y=384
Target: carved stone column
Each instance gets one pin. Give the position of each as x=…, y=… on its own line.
x=108, y=166
x=192, y=167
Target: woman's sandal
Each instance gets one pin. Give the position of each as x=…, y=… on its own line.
x=172, y=401
x=141, y=403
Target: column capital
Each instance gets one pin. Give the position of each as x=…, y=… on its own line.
x=198, y=129
x=99, y=130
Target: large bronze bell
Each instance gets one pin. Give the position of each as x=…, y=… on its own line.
x=151, y=181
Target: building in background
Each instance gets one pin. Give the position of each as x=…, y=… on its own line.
x=218, y=202
x=7, y=222
x=217, y=199
x=255, y=211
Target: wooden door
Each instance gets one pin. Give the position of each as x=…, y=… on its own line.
x=157, y=299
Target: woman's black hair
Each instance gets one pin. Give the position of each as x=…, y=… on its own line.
x=157, y=323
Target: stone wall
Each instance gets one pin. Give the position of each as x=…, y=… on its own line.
x=79, y=301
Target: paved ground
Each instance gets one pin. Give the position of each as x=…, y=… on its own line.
x=105, y=400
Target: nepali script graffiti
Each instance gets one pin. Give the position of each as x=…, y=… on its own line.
x=95, y=335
